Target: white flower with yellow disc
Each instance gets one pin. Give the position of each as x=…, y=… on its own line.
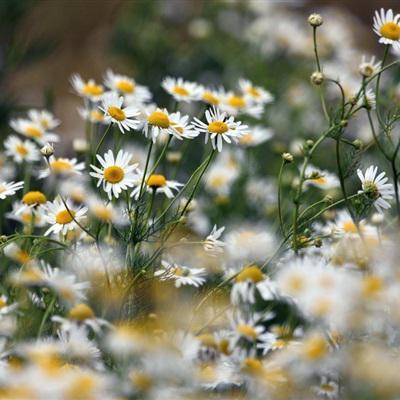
x=21, y=150
x=62, y=216
x=182, y=90
x=114, y=112
x=33, y=131
x=116, y=173
x=88, y=90
x=387, y=26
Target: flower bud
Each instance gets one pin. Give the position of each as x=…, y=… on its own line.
x=358, y=144
x=80, y=145
x=287, y=157
x=315, y=20
x=318, y=242
x=328, y=199
x=317, y=78
x=309, y=144
x=47, y=150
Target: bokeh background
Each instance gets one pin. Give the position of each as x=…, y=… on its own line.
x=43, y=42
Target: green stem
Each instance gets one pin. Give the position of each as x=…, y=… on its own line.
x=46, y=315
x=279, y=197
x=100, y=143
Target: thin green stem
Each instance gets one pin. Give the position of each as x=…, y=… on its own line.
x=279, y=197
x=100, y=143
x=46, y=315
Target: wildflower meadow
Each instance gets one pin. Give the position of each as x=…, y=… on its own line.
x=234, y=239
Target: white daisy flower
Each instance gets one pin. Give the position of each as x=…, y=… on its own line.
x=257, y=93
x=14, y=252
x=220, y=128
x=33, y=131
x=9, y=188
x=235, y=104
x=181, y=127
x=255, y=136
x=27, y=215
x=43, y=118
x=62, y=219
x=181, y=274
x=320, y=178
x=157, y=183
x=95, y=116
x=369, y=67
x=133, y=92
x=212, y=97
x=328, y=389
x=115, y=113
x=21, y=150
x=386, y=25
x=157, y=122
x=62, y=167
x=106, y=212
x=81, y=315
x=212, y=244
x=116, y=174
x=368, y=99
x=182, y=90
x=88, y=90
x=376, y=188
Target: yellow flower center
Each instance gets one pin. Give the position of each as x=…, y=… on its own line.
x=208, y=340
x=315, y=348
x=60, y=166
x=252, y=366
x=34, y=197
x=103, y=213
x=209, y=98
x=246, y=139
x=22, y=256
x=82, y=387
x=160, y=119
x=33, y=132
x=247, y=330
x=125, y=86
x=295, y=284
x=350, y=227
x=92, y=89
x=224, y=347
x=390, y=30
x=320, y=181
x=218, y=127
x=372, y=285
x=116, y=113
x=114, y=174
x=80, y=312
x=65, y=217
x=250, y=273
x=156, y=181
x=21, y=150
x=96, y=115
x=181, y=91
x=252, y=91
x=141, y=381
x=237, y=101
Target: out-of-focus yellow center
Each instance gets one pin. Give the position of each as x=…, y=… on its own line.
x=125, y=86
x=156, y=181
x=33, y=132
x=320, y=181
x=114, y=174
x=315, y=348
x=209, y=98
x=246, y=139
x=65, y=217
x=252, y=366
x=92, y=89
x=22, y=256
x=82, y=387
x=247, y=330
x=208, y=340
x=141, y=381
x=96, y=115
x=237, y=101
x=218, y=127
x=80, y=312
x=116, y=113
x=349, y=227
x=103, y=213
x=250, y=273
x=160, y=119
x=34, y=197
x=372, y=285
x=181, y=91
x=21, y=150
x=390, y=30
x=3, y=302
x=60, y=166
x=253, y=91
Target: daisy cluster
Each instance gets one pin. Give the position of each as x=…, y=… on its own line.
x=124, y=276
